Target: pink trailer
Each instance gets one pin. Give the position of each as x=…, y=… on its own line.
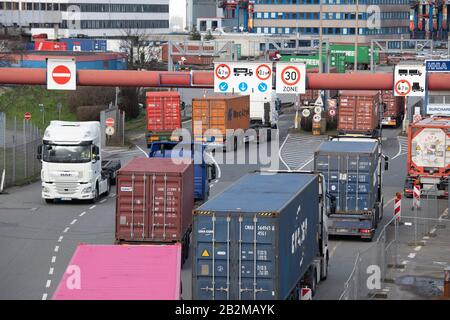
x=122, y=272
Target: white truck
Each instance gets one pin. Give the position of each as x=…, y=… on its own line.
x=263, y=109
x=72, y=166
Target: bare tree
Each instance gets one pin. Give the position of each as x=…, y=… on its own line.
x=135, y=44
x=9, y=46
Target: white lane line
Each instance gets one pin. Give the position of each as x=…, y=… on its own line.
x=50, y=272
x=387, y=203
x=412, y=255
x=112, y=195
x=219, y=172
x=146, y=154
x=82, y=214
x=44, y=296
x=399, y=149
x=49, y=282
x=56, y=248
x=279, y=152
x=306, y=164
x=66, y=229
x=103, y=201
x=408, y=224
x=53, y=259
x=74, y=221
x=60, y=239
x=426, y=238
x=433, y=230
x=90, y=208
x=405, y=262
x=334, y=249
x=418, y=248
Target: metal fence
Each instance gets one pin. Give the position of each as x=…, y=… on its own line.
x=19, y=140
x=408, y=259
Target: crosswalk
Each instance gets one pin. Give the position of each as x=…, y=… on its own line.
x=298, y=150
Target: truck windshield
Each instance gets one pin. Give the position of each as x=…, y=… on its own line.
x=66, y=154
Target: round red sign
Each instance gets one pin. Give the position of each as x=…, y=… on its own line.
x=223, y=71
x=109, y=122
x=402, y=87
x=27, y=116
x=290, y=76
x=263, y=72
x=61, y=74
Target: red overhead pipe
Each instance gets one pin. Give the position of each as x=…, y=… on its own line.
x=205, y=79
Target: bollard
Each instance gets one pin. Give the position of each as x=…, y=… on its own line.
x=447, y=283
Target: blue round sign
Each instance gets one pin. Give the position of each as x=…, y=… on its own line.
x=262, y=87
x=223, y=86
x=243, y=86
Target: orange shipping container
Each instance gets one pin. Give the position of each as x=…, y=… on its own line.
x=393, y=113
x=359, y=112
x=220, y=113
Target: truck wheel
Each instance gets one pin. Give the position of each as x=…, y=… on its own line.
x=314, y=283
x=95, y=198
x=108, y=187
x=325, y=274
x=49, y=201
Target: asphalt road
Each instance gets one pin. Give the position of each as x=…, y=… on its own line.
x=37, y=240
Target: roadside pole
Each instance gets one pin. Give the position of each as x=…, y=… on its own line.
x=405, y=117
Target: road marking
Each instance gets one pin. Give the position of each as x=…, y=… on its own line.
x=73, y=221
x=66, y=229
x=426, y=238
x=82, y=214
x=44, y=296
x=56, y=248
x=334, y=249
x=103, y=201
x=433, y=230
x=90, y=208
x=408, y=224
x=412, y=255
x=405, y=262
x=47, y=285
x=418, y=248
x=53, y=259
x=297, y=150
x=186, y=121
x=112, y=195
x=399, y=149
x=51, y=271
x=306, y=164
x=60, y=239
x=219, y=172
x=279, y=152
x=387, y=203
x=146, y=154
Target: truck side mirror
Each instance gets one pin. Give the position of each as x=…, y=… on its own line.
x=39, y=152
x=386, y=163
x=212, y=173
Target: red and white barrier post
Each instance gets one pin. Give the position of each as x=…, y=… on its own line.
x=416, y=195
x=398, y=206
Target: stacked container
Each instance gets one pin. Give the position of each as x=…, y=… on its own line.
x=394, y=108
x=155, y=198
x=359, y=112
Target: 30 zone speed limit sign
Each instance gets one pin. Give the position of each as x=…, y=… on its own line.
x=290, y=78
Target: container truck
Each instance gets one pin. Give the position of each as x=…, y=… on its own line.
x=111, y=272
x=285, y=224
x=428, y=155
x=163, y=116
x=263, y=110
x=353, y=175
x=72, y=166
x=154, y=202
x=359, y=113
x=204, y=172
x=393, y=109
x=216, y=120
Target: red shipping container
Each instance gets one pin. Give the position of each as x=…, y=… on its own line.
x=394, y=110
x=190, y=59
x=50, y=46
x=163, y=114
x=155, y=198
x=359, y=111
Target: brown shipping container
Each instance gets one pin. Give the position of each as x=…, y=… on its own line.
x=190, y=59
x=221, y=113
x=358, y=111
x=155, y=198
x=394, y=105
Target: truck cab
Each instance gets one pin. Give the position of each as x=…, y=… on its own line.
x=264, y=110
x=204, y=172
x=72, y=162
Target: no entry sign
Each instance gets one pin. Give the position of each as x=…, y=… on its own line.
x=61, y=74
x=27, y=116
x=290, y=78
x=109, y=122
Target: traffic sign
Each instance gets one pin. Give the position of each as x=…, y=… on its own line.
x=331, y=103
x=318, y=110
x=437, y=65
x=109, y=122
x=332, y=112
x=317, y=118
x=109, y=131
x=27, y=116
x=410, y=80
x=290, y=78
x=417, y=118
x=243, y=77
x=61, y=74
x=306, y=113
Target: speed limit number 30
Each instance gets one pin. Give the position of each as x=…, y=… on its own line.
x=290, y=78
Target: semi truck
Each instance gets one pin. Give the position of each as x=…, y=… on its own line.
x=268, y=248
x=353, y=174
x=72, y=166
x=204, y=172
x=428, y=155
x=112, y=272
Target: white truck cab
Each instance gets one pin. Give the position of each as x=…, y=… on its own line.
x=263, y=109
x=71, y=162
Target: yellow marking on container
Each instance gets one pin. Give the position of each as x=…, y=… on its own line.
x=205, y=253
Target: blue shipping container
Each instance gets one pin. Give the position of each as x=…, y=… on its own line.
x=100, y=45
x=76, y=44
x=351, y=173
x=273, y=215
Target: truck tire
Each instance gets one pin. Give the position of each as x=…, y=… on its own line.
x=49, y=201
x=325, y=275
x=95, y=198
x=108, y=187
